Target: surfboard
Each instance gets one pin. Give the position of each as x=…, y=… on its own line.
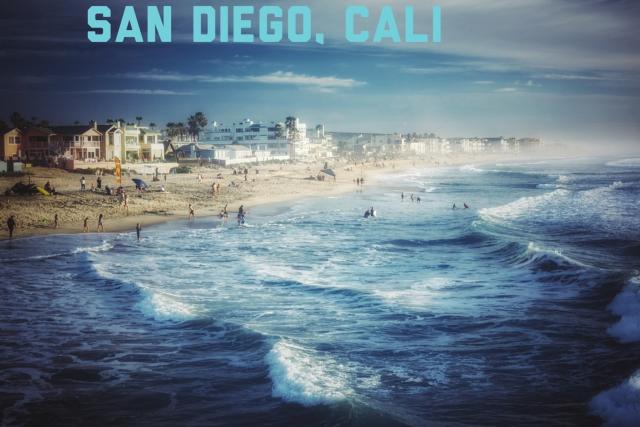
x=43, y=191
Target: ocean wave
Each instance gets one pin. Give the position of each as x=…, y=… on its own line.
x=524, y=205
x=632, y=163
x=164, y=306
x=471, y=168
x=103, y=247
x=627, y=305
x=303, y=376
x=548, y=259
x=619, y=406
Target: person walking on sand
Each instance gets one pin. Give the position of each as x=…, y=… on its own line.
x=139, y=229
x=125, y=202
x=83, y=184
x=11, y=225
x=55, y=221
x=192, y=213
x=100, y=225
x=85, y=227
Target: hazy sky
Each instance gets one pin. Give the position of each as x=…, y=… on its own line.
x=565, y=70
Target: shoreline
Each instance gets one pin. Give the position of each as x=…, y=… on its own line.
x=288, y=186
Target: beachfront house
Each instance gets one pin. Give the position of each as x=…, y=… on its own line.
x=151, y=145
x=194, y=152
x=79, y=142
x=111, y=144
x=11, y=147
x=234, y=154
x=141, y=143
x=36, y=142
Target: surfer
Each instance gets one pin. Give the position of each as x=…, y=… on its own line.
x=192, y=213
x=367, y=213
x=85, y=227
x=138, y=230
x=55, y=221
x=402, y=196
x=454, y=207
x=11, y=224
x=100, y=226
x=418, y=199
x=372, y=212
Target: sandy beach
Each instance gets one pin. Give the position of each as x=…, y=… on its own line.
x=269, y=183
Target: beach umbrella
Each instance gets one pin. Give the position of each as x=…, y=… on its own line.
x=329, y=172
x=140, y=184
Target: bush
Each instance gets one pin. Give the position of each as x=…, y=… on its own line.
x=181, y=169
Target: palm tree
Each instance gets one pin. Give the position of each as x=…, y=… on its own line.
x=280, y=130
x=290, y=124
x=152, y=125
x=139, y=120
x=18, y=121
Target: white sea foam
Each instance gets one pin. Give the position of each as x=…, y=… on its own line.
x=619, y=406
x=300, y=375
x=536, y=251
x=418, y=295
x=162, y=306
x=632, y=162
x=471, y=168
x=627, y=305
x=524, y=205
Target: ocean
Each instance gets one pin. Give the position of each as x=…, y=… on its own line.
x=522, y=310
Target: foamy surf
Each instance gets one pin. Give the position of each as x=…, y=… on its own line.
x=302, y=376
x=627, y=305
x=619, y=406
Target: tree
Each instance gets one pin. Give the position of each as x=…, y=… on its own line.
x=292, y=128
x=18, y=121
x=196, y=124
x=139, y=120
x=280, y=131
x=152, y=125
x=77, y=122
x=4, y=127
x=110, y=121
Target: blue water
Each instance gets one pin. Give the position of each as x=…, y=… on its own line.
x=522, y=310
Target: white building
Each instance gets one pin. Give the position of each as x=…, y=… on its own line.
x=267, y=142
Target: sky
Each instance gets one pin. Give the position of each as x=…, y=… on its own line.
x=564, y=70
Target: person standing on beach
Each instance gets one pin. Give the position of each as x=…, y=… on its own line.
x=11, y=224
x=139, y=229
x=100, y=226
x=192, y=213
x=125, y=201
x=55, y=221
x=85, y=227
x=402, y=196
x=83, y=184
x=99, y=183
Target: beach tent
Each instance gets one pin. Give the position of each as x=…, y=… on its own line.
x=140, y=184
